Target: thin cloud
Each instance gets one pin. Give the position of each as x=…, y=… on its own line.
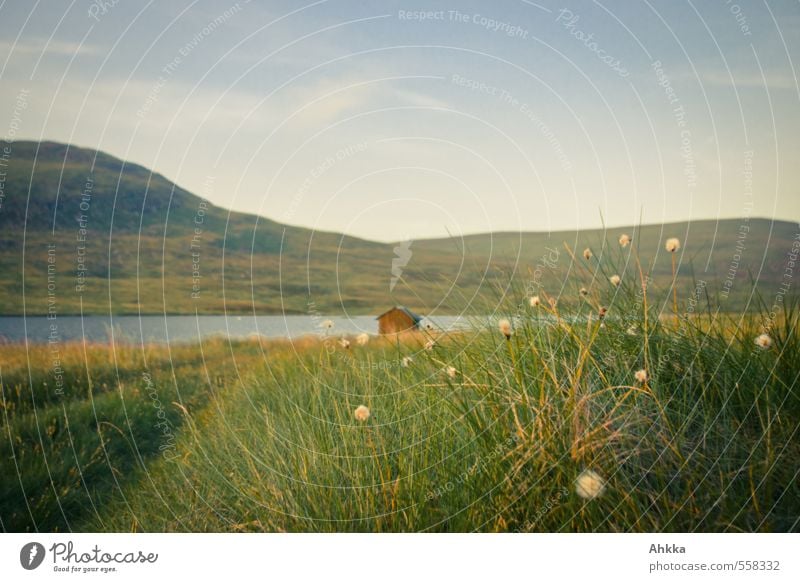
x=54, y=47
x=750, y=80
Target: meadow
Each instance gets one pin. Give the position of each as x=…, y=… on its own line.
x=607, y=406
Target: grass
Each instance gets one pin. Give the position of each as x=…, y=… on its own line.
x=709, y=442
x=265, y=437
x=64, y=455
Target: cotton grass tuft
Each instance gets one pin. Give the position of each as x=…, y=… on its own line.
x=764, y=341
x=589, y=485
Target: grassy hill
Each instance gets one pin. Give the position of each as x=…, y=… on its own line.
x=82, y=231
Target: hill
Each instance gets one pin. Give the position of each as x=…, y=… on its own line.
x=84, y=232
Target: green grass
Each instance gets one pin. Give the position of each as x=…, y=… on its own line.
x=64, y=455
x=708, y=443
x=262, y=434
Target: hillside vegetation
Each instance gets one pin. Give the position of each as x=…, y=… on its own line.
x=118, y=238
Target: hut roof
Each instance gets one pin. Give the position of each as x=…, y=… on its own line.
x=416, y=318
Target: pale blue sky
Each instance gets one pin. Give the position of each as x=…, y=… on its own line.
x=358, y=117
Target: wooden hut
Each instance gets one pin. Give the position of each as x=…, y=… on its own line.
x=397, y=320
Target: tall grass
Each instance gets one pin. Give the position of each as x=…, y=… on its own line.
x=66, y=451
x=479, y=433
x=707, y=443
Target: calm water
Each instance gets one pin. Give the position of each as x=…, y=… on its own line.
x=159, y=328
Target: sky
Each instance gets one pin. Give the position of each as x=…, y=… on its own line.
x=406, y=120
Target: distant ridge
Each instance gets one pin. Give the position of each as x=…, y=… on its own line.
x=99, y=235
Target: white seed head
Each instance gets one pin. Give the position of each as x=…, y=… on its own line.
x=361, y=413
x=672, y=245
x=362, y=339
x=535, y=301
x=584, y=291
x=344, y=342
x=615, y=280
x=505, y=327
x=451, y=371
x=641, y=376
x=406, y=362
x=764, y=341
x=625, y=240
x=327, y=324
x=589, y=484
x=587, y=253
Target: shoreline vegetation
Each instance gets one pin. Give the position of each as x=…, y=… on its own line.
x=629, y=408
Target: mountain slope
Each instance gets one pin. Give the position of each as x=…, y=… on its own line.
x=84, y=232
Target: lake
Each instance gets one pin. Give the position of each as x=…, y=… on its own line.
x=184, y=328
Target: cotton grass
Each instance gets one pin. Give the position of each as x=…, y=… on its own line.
x=504, y=326
x=362, y=413
x=672, y=245
x=589, y=485
x=764, y=341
